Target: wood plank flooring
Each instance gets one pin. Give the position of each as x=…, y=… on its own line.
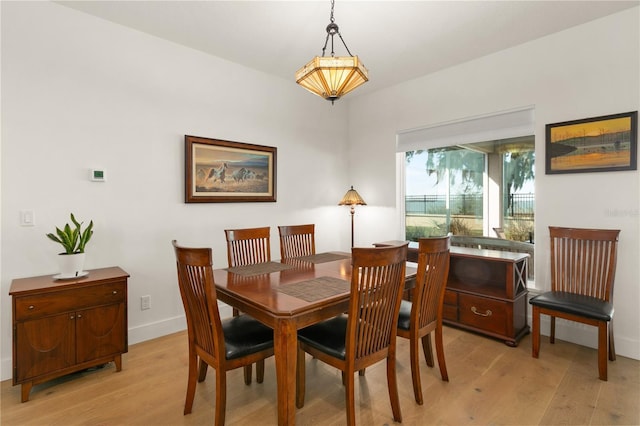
x=490, y=383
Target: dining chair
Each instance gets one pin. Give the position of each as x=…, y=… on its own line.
x=419, y=317
x=367, y=333
x=224, y=345
x=500, y=233
x=248, y=246
x=297, y=241
x=583, y=266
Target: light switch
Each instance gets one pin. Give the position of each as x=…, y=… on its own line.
x=27, y=218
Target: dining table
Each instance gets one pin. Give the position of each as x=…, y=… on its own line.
x=288, y=295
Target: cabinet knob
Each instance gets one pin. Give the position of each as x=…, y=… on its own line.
x=80, y=315
x=115, y=291
x=31, y=307
x=71, y=317
x=487, y=313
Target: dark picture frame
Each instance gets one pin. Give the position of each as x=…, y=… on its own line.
x=598, y=144
x=220, y=171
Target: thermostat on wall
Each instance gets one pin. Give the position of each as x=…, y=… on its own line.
x=98, y=175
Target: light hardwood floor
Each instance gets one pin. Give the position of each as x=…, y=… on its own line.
x=490, y=383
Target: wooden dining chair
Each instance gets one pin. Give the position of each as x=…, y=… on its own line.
x=248, y=246
x=418, y=318
x=223, y=345
x=367, y=334
x=297, y=241
x=583, y=266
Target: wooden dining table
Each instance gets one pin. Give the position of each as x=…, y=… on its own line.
x=287, y=296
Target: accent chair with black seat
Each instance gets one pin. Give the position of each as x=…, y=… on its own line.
x=421, y=316
x=367, y=334
x=248, y=246
x=297, y=241
x=583, y=266
x=225, y=345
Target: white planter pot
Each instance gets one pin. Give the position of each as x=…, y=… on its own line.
x=70, y=265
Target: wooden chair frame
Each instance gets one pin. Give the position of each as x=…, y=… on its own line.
x=583, y=262
x=426, y=308
x=377, y=283
x=248, y=246
x=297, y=241
x=206, y=339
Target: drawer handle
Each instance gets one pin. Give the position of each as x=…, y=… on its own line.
x=31, y=307
x=488, y=313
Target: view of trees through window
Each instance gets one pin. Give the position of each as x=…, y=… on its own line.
x=470, y=189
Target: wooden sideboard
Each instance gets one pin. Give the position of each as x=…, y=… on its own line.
x=63, y=326
x=486, y=291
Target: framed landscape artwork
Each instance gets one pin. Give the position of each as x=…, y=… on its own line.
x=597, y=144
x=219, y=171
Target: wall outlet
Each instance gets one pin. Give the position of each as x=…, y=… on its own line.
x=145, y=303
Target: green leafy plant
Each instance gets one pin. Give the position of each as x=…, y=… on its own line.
x=72, y=239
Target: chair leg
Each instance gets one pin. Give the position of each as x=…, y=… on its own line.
x=203, y=371
x=392, y=383
x=612, y=346
x=300, y=379
x=440, y=352
x=260, y=371
x=535, y=331
x=602, y=350
x=221, y=397
x=414, y=355
x=361, y=372
x=552, y=331
x=427, y=349
x=349, y=398
x=247, y=374
x=191, y=383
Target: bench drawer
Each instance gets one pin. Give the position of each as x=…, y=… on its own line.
x=483, y=313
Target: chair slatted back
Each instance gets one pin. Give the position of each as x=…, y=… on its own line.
x=197, y=288
x=248, y=246
x=297, y=241
x=376, y=289
x=431, y=280
x=583, y=261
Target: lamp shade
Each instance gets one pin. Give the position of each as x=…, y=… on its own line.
x=332, y=76
x=352, y=198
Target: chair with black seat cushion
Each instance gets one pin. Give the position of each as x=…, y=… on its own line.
x=297, y=241
x=583, y=266
x=248, y=246
x=421, y=316
x=367, y=334
x=224, y=345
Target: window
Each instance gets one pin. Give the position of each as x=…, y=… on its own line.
x=471, y=189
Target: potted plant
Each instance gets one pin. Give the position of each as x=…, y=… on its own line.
x=73, y=240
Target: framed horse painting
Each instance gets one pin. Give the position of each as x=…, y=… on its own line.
x=219, y=171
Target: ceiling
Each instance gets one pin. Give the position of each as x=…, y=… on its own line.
x=396, y=40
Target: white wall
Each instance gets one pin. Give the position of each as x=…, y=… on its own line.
x=586, y=71
x=79, y=92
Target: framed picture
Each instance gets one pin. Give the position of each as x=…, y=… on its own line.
x=218, y=171
x=598, y=144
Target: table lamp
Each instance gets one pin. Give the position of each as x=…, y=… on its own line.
x=352, y=198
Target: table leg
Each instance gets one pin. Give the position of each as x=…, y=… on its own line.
x=285, y=348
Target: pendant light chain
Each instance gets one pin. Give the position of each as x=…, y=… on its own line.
x=332, y=29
